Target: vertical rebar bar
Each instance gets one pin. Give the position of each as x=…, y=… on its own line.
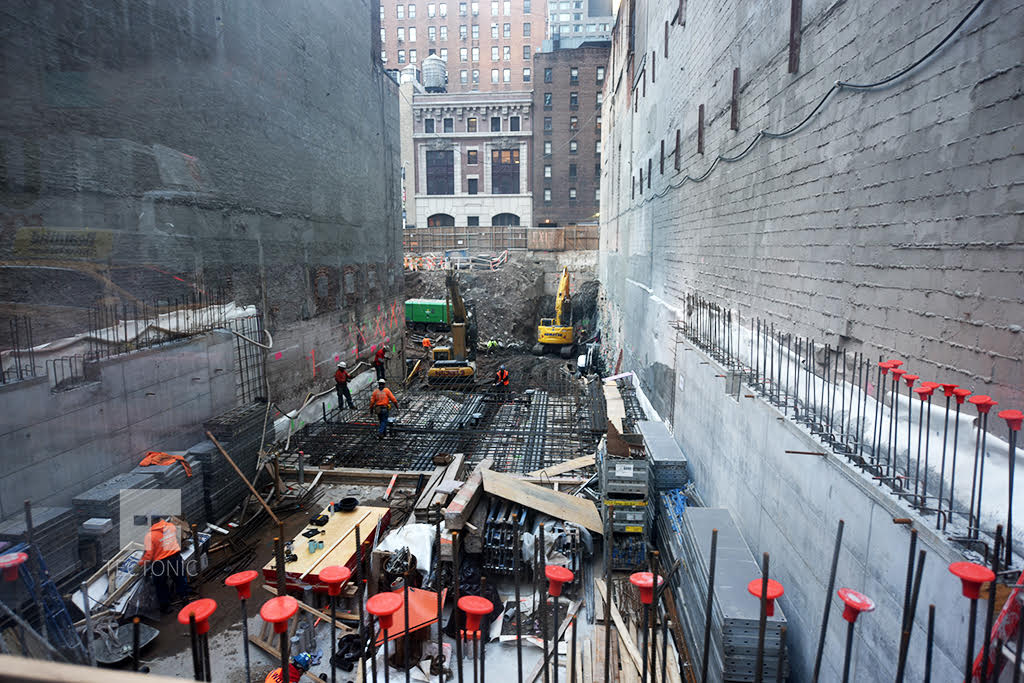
x=759, y=666
x=709, y=604
x=828, y=601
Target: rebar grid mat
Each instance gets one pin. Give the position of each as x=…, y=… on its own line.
x=522, y=431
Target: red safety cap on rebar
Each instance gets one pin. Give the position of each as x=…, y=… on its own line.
x=886, y=366
x=972, y=576
x=474, y=607
x=557, y=575
x=961, y=394
x=9, y=564
x=278, y=611
x=947, y=389
x=242, y=582
x=383, y=606
x=855, y=603
x=983, y=403
x=774, y=592
x=1013, y=418
x=334, y=576
x=644, y=581
x=924, y=391
x=203, y=609
x=931, y=385
x=894, y=363
x=910, y=379
x=897, y=373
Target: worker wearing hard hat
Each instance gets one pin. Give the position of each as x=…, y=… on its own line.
x=341, y=378
x=380, y=403
x=501, y=378
x=298, y=665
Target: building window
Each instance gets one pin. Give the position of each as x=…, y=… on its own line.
x=494, y=75
x=505, y=171
x=505, y=219
x=383, y=36
x=463, y=54
x=574, y=100
x=494, y=8
x=547, y=74
x=401, y=34
x=463, y=31
x=526, y=29
x=464, y=77
x=442, y=9
x=476, y=54
x=444, y=33
x=547, y=148
x=507, y=8
x=573, y=146
x=431, y=9
x=600, y=75
x=547, y=170
x=382, y=14
x=494, y=31
x=526, y=52
x=547, y=100
x=599, y=100
x=471, y=128
x=574, y=123
x=472, y=186
x=444, y=53
x=526, y=75
x=494, y=53
x=384, y=56
x=495, y=124
x=401, y=56
x=428, y=125
x=412, y=56
x=471, y=155
x=436, y=220
x=597, y=148
x=400, y=11
x=440, y=172
x=597, y=170
x=462, y=9
x=473, y=221
x=547, y=124
x=513, y=123
x=526, y=6
x=597, y=125
x=412, y=11
x=476, y=75
x=572, y=194
x=547, y=195
x=412, y=34
x=449, y=125
x=597, y=194
x=476, y=32
x=432, y=33
x=572, y=170
x=506, y=30
x=506, y=53
x=474, y=8
x=574, y=75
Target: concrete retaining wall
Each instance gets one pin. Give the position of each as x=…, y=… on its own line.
x=58, y=444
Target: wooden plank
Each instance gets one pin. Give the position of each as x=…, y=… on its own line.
x=599, y=654
x=461, y=507
x=573, y=609
x=330, y=549
x=367, y=477
x=562, y=467
x=585, y=672
x=32, y=670
x=623, y=629
x=339, y=527
x=559, y=505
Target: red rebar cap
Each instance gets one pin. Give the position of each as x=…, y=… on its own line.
x=961, y=394
x=242, y=582
x=910, y=379
x=924, y=391
x=894, y=363
x=203, y=609
x=775, y=591
x=1013, y=419
x=644, y=581
x=278, y=611
x=983, y=403
x=932, y=385
x=947, y=389
x=886, y=365
x=475, y=607
x=383, y=606
x=972, y=576
x=897, y=373
x=334, y=576
x=556, y=575
x=9, y=564
x=855, y=603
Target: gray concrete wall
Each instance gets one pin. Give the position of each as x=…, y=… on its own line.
x=56, y=444
x=789, y=505
x=891, y=224
x=202, y=146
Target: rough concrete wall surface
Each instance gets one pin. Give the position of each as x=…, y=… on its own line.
x=789, y=505
x=890, y=224
x=57, y=444
x=202, y=145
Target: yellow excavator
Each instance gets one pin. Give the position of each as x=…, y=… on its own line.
x=454, y=364
x=556, y=334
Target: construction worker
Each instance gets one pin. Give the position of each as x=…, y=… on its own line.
x=298, y=665
x=427, y=344
x=491, y=346
x=341, y=378
x=380, y=403
x=162, y=561
x=378, y=361
x=501, y=378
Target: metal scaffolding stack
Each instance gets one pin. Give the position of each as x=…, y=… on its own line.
x=685, y=534
x=54, y=534
x=667, y=462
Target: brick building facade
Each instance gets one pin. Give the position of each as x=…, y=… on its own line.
x=567, y=101
x=487, y=45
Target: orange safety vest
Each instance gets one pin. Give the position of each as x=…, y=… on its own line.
x=161, y=542
x=426, y=342
x=382, y=397
x=503, y=377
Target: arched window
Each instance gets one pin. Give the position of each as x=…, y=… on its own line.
x=439, y=219
x=505, y=219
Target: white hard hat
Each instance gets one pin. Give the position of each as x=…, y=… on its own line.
x=380, y=381
x=342, y=364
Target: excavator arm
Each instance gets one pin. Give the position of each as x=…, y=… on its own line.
x=563, y=301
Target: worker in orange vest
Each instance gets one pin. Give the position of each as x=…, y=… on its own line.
x=378, y=360
x=380, y=403
x=341, y=378
x=298, y=665
x=162, y=561
x=501, y=377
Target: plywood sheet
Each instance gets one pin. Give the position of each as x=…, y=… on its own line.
x=558, y=505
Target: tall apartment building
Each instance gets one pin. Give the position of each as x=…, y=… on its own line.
x=567, y=99
x=574, y=22
x=487, y=45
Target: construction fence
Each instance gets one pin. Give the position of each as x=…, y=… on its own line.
x=496, y=238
